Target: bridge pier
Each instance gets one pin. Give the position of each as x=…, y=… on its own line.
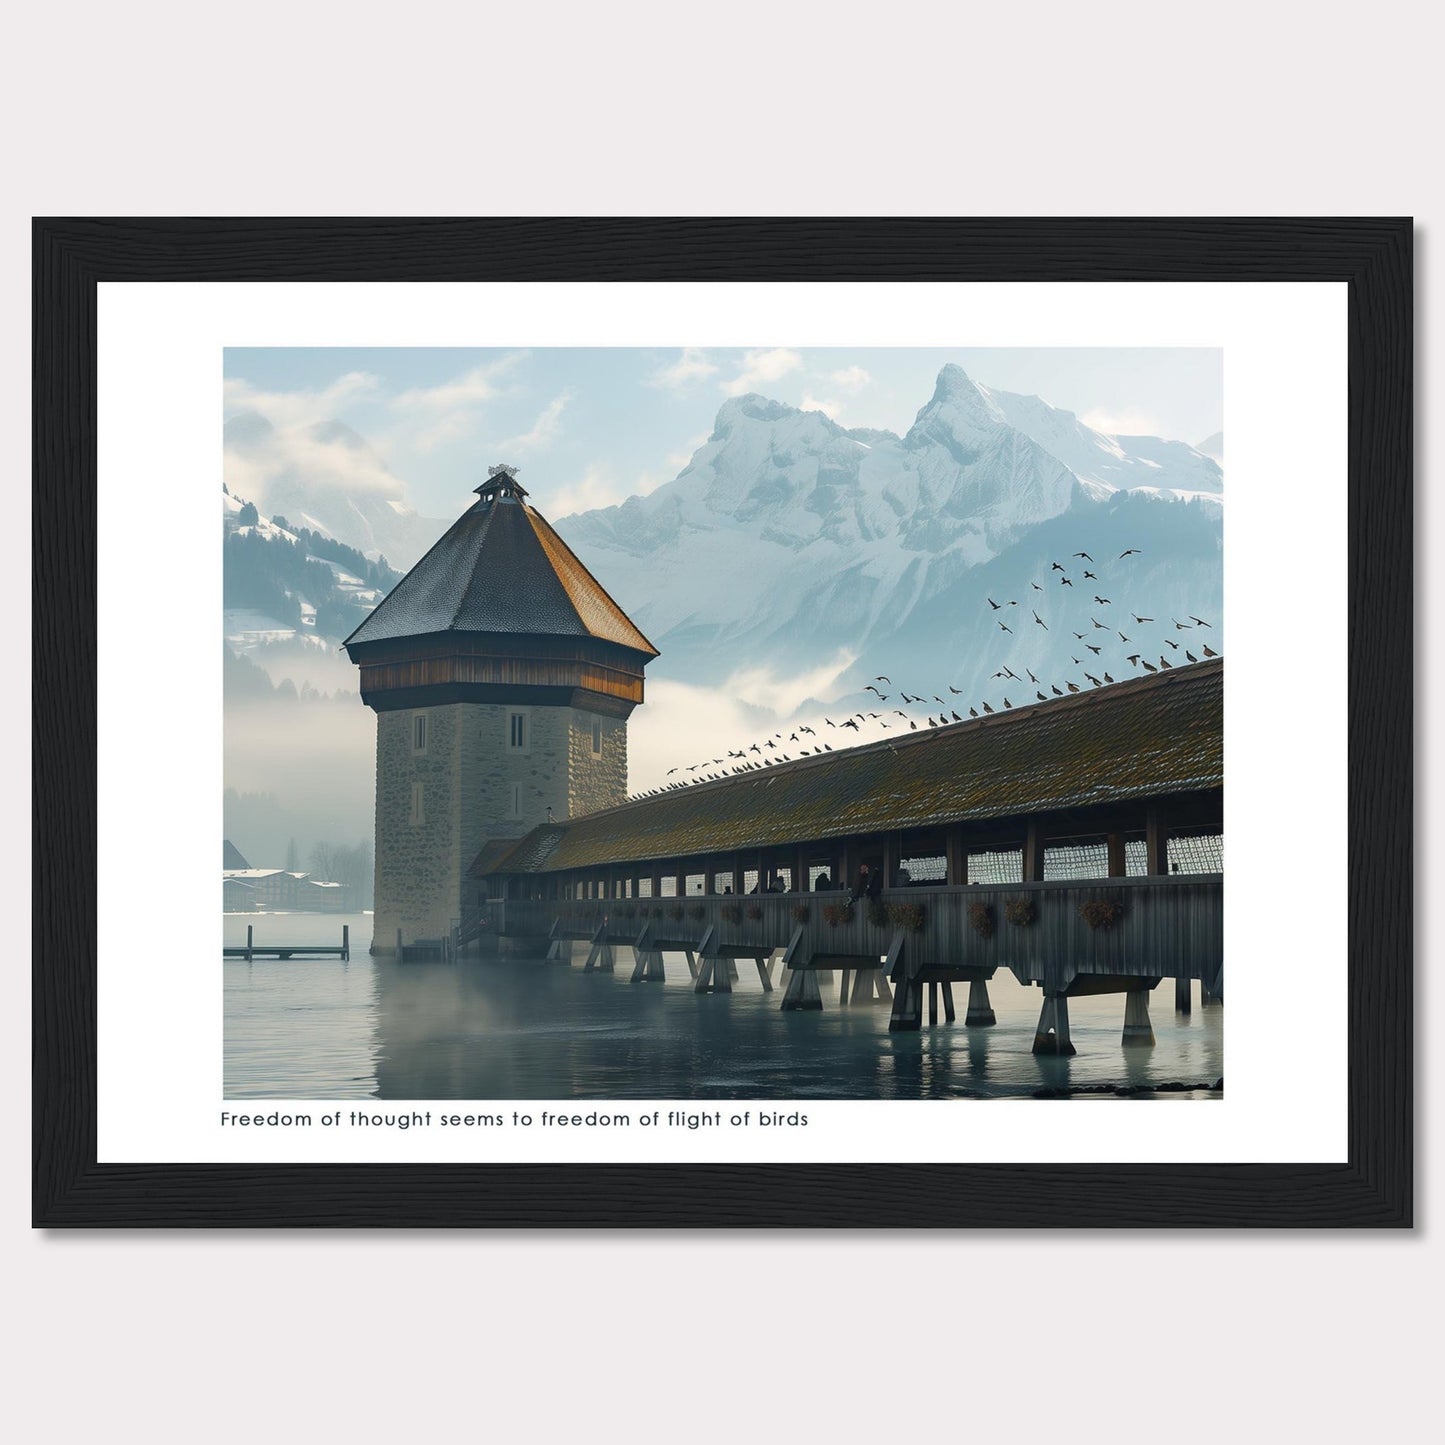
x=802, y=991
x=1182, y=1003
x=713, y=975
x=1138, y=1031
x=1052, y=1034
x=765, y=971
x=907, y=1015
x=980, y=1009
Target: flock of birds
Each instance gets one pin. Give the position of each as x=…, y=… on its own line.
x=1104, y=652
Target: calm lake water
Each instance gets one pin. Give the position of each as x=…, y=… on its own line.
x=489, y=1029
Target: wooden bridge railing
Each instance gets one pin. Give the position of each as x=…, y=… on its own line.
x=1047, y=933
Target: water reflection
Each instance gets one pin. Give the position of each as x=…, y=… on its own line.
x=528, y=1029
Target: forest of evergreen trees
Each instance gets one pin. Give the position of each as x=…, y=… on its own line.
x=274, y=574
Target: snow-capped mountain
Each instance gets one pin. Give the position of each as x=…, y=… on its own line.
x=789, y=540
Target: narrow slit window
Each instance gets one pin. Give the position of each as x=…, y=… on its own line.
x=597, y=737
x=517, y=736
x=418, y=805
x=418, y=732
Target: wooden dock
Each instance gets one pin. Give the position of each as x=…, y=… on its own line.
x=251, y=949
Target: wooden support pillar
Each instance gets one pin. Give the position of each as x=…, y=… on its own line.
x=1181, y=995
x=345, y=942
x=948, y=1013
x=250, y=942
x=1052, y=1034
x=1114, y=842
x=1156, y=859
x=764, y=977
x=802, y=992
x=1034, y=854
x=691, y=963
x=932, y=1001
x=956, y=854
x=1138, y=1031
x=980, y=1011
x=907, y=1015
x=843, y=988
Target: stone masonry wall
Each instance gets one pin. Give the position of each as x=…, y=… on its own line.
x=476, y=788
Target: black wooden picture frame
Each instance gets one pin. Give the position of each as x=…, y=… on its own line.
x=1374, y=256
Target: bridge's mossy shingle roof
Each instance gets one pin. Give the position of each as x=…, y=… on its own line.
x=1147, y=737
x=500, y=568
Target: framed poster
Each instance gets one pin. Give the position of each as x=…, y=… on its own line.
x=1048, y=830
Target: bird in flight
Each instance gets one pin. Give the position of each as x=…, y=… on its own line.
x=1006, y=629
x=1095, y=650
x=1170, y=642
x=1057, y=567
x=1064, y=582
x=1139, y=619
x=1041, y=622
x=1032, y=678
x=1199, y=621
x=1134, y=658
x=1122, y=638
x=1084, y=555
x=1132, y=552
x=991, y=603
x=956, y=691
x=883, y=679
x=1102, y=601
x=1094, y=575
x=1093, y=679
x=1099, y=626
x=1036, y=586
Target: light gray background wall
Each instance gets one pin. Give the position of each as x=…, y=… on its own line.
x=1051, y=108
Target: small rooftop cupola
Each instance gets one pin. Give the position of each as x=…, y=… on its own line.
x=501, y=483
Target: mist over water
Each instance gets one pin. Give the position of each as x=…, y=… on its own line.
x=527, y=1029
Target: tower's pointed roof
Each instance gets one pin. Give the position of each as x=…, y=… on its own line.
x=500, y=568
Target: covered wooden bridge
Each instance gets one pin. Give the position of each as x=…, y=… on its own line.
x=1078, y=843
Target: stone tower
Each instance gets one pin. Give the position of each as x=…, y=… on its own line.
x=502, y=676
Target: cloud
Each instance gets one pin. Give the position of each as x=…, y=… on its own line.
x=597, y=487
x=684, y=724
x=691, y=366
x=829, y=408
x=759, y=368
x=1124, y=422
x=544, y=429
x=851, y=378
x=297, y=408
x=452, y=408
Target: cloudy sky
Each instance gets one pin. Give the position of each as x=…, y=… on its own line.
x=590, y=427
